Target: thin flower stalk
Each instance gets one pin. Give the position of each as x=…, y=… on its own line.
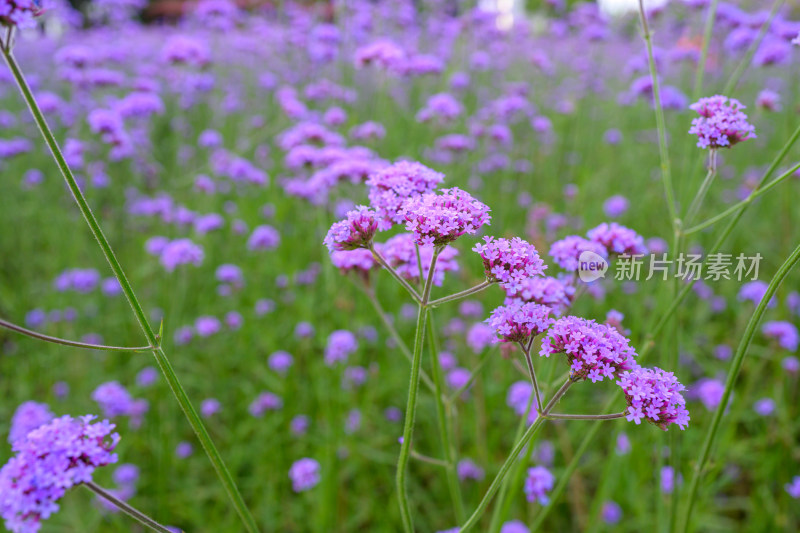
x=137, y=515
x=161, y=357
x=64, y=342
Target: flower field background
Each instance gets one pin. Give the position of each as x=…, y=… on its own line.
x=218, y=149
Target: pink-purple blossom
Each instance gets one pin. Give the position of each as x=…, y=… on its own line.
x=538, y=482
x=356, y=231
x=721, y=123
x=510, y=262
x=594, y=351
x=519, y=322
x=304, y=474
x=391, y=187
x=655, y=396
x=439, y=219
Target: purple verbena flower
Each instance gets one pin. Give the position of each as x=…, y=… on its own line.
x=27, y=417
x=266, y=401
x=538, y=483
x=721, y=123
x=509, y=262
x=566, y=252
x=52, y=459
x=356, y=231
x=783, y=332
x=654, y=395
x=519, y=322
x=391, y=187
x=594, y=351
x=304, y=474
x=439, y=219
x=617, y=239
x=401, y=253
x=341, y=343
x=468, y=469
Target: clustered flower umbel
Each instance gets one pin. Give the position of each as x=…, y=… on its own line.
x=356, y=231
x=654, y=395
x=19, y=13
x=49, y=461
x=391, y=187
x=519, y=322
x=439, y=219
x=721, y=123
x=509, y=262
x=594, y=351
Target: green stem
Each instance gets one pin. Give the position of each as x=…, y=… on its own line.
x=655, y=330
x=445, y=435
x=733, y=373
x=394, y=334
x=701, y=65
x=701, y=193
x=612, y=416
x=666, y=173
x=513, y=456
x=150, y=335
x=125, y=508
x=748, y=56
x=380, y=259
x=755, y=193
x=461, y=295
x=65, y=342
x=411, y=404
x=527, y=351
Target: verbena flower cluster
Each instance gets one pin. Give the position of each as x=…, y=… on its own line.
x=19, y=13
x=721, y=124
x=511, y=262
x=390, y=188
x=548, y=291
x=49, y=461
x=437, y=219
x=567, y=251
x=356, y=231
x=594, y=351
x=538, y=482
x=618, y=239
x=519, y=322
x=654, y=395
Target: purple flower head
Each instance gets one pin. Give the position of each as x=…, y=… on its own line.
x=514, y=526
x=126, y=475
x=341, y=343
x=791, y=364
x=668, y=479
x=764, y=406
x=654, y=395
x=205, y=326
x=264, y=306
x=359, y=261
x=438, y=219
x=19, y=13
x=458, y=378
x=51, y=460
x=146, y=376
x=234, y=320
x=710, y=392
x=266, y=401
x=519, y=322
x=623, y=446
x=401, y=253
x=616, y=206
x=519, y=399
x=611, y=512
x=538, y=483
x=443, y=107
x=391, y=187
x=509, y=262
x=184, y=449
x=768, y=100
x=27, y=417
x=304, y=474
x=783, y=332
x=357, y=231
x=230, y=274
x=468, y=469
x=594, y=351
x=299, y=425
x=303, y=330
x=181, y=252
x=81, y=280
x=263, y=238
x=479, y=336
x=721, y=123
x=566, y=252
x=617, y=239
x=793, y=488
x=280, y=362
x=113, y=399
x=754, y=291
x=384, y=53
x=209, y=407
x=723, y=352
